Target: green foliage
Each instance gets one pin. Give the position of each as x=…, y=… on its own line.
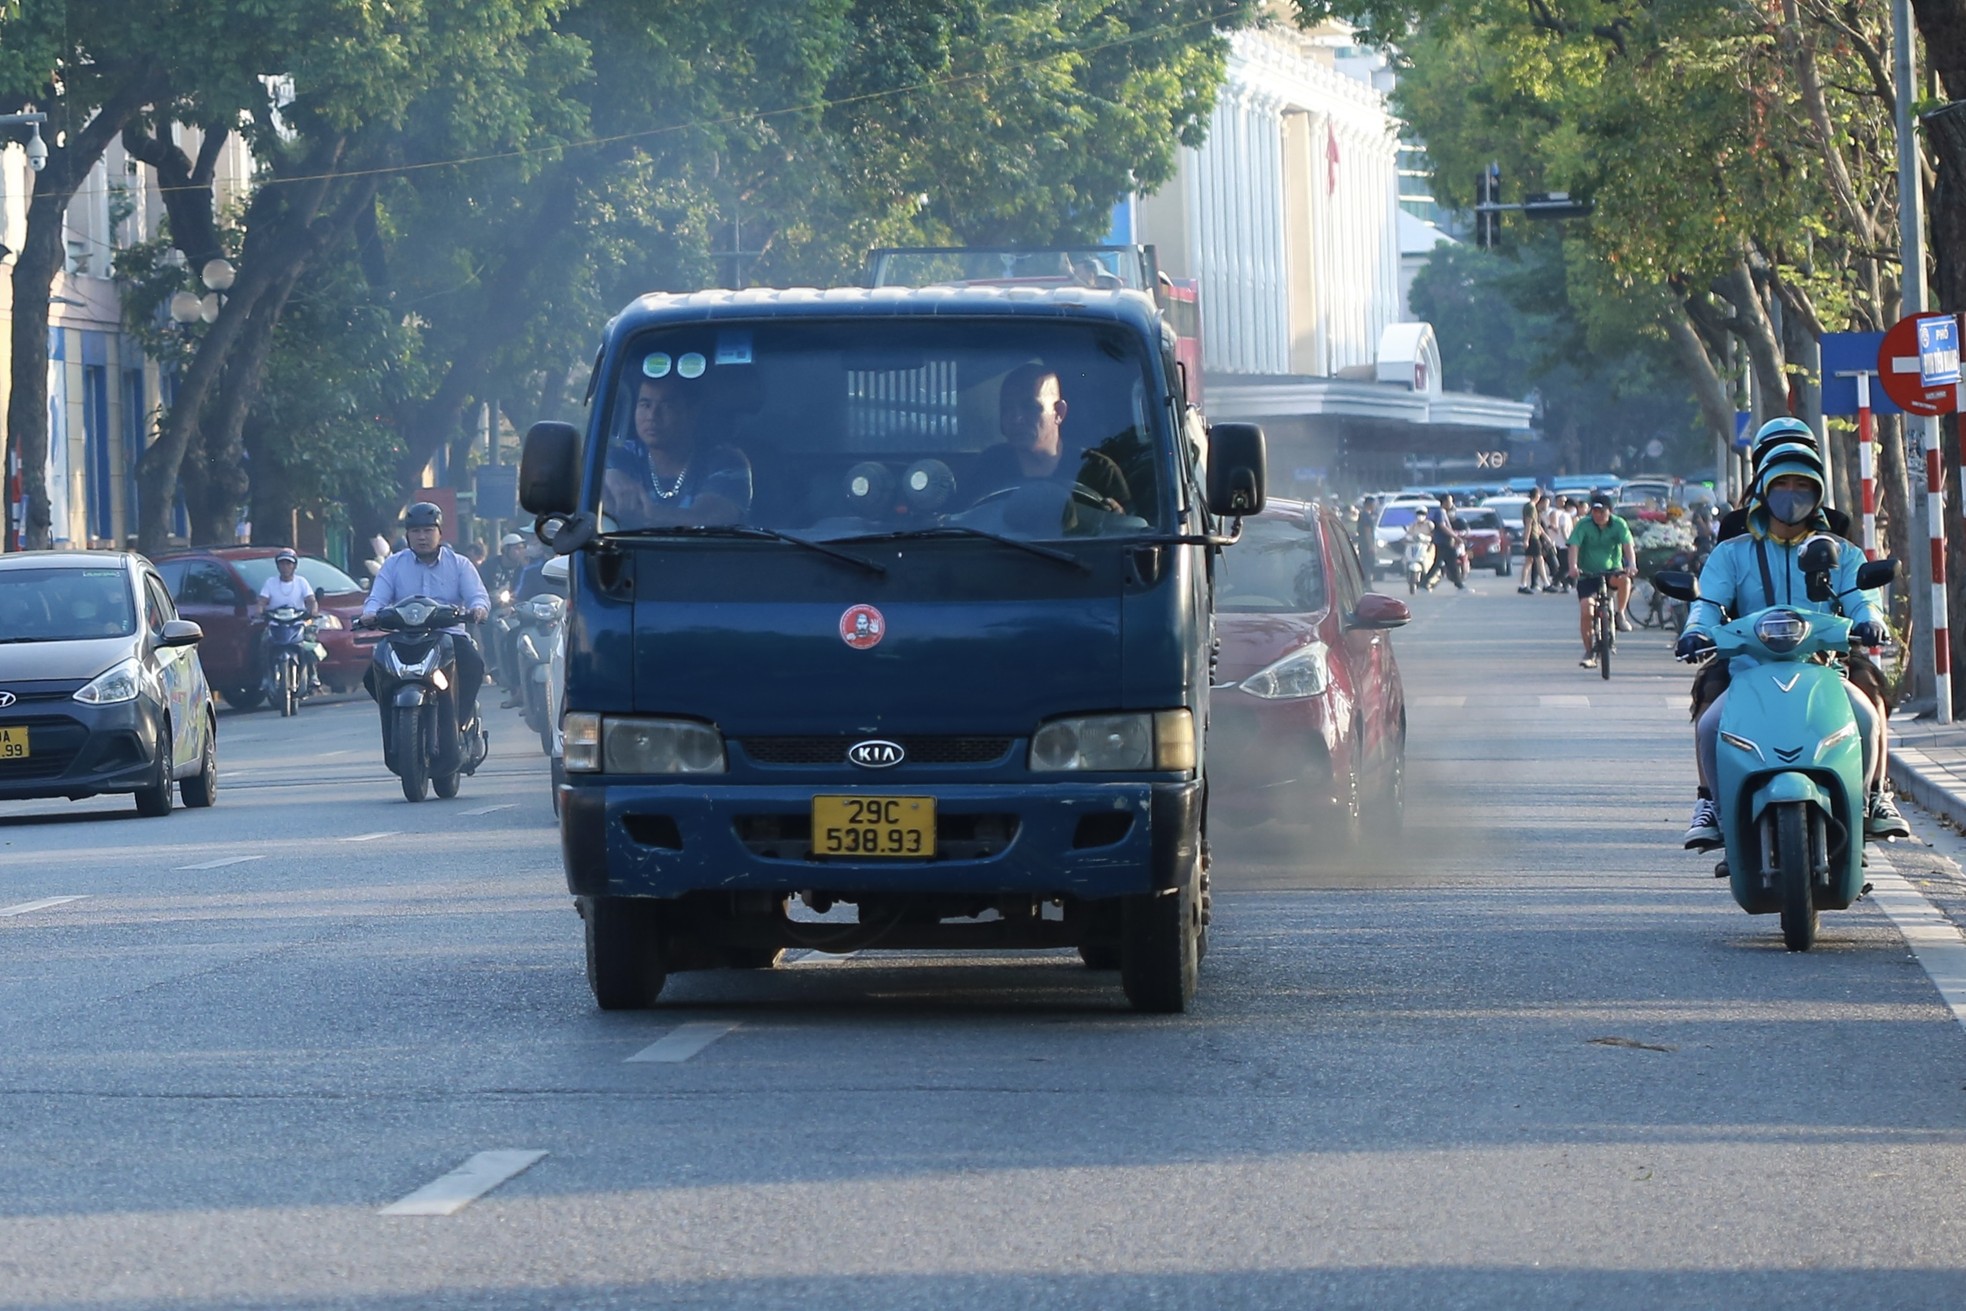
x=1511, y=327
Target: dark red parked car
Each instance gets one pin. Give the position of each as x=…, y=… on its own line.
x=1307, y=717
x=215, y=588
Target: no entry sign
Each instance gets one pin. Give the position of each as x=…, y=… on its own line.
x=1902, y=365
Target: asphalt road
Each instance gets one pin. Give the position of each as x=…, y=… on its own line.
x=1534, y=1058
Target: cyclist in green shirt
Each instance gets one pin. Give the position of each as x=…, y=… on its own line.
x=1601, y=543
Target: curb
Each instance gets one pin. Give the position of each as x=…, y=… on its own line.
x=1914, y=775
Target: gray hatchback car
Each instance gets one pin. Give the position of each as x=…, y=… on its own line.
x=100, y=685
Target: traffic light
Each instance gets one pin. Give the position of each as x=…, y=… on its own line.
x=1555, y=205
x=1488, y=219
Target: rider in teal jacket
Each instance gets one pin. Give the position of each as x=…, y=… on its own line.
x=1759, y=569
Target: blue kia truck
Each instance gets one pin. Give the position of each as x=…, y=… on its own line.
x=894, y=600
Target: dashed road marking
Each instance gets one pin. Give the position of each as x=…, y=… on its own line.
x=1551, y=701
x=453, y=1192
x=222, y=862
x=682, y=1042
x=486, y=810
x=1438, y=702
x=1933, y=938
x=26, y=906
x=371, y=837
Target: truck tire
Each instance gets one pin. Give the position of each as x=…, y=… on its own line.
x=624, y=956
x=1160, y=947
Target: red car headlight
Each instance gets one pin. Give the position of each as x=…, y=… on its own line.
x=1304, y=672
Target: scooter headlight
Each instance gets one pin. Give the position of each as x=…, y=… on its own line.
x=1781, y=631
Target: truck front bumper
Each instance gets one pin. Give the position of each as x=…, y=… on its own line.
x=1087, y=840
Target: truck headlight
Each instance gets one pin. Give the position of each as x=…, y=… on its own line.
x=1304, y=672
x=660, y=746
x=1162, y=739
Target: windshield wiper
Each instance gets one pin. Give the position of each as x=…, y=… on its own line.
x=745, y=530
x=964, y=530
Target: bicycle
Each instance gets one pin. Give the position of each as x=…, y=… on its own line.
x=1604, y=618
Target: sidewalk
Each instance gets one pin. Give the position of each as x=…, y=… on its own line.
x=1928, y=765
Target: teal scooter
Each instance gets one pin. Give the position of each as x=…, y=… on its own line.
x=1790, y=762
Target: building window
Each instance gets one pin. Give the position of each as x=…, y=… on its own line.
x=136, y=433
x=95, y=441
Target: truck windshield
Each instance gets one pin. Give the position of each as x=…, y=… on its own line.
x=844, y=428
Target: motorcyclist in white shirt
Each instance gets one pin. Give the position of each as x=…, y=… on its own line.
x=286, y=588
x=429, y=568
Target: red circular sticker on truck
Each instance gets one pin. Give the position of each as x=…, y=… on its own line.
x=862, y=627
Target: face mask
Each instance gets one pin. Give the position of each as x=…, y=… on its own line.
x=1791, y=506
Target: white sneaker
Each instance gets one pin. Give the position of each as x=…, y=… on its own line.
x=1703, y=834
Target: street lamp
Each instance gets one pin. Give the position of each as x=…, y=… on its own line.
x=188, y=307
x=37, y=149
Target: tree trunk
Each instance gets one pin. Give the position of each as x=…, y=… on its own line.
x=282, y=234
x=228, y=479
x=70, y=157
x=1709, y=388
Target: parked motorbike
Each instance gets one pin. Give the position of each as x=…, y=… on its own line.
x=541, y=617
x=1790, y=787
x=293, y=657
x=500, y=631
x=414, y=671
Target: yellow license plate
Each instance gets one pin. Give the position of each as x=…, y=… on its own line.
x=879, y=828
x=13, y=744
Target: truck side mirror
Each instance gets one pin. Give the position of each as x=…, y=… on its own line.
x=549, y=468
x=1238, y=465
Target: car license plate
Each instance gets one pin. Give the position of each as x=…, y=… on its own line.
x=13, y=743
x=880, y=828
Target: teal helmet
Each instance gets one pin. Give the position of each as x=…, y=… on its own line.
x=1805, y=457
x=1785, y=431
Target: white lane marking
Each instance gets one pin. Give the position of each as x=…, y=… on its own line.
x=1933, y=938
x=1553, y=702
x=453, y=1192
x=486, y=810
x=1438, y=702
x=43, y=904
x=813, y=958
x=222, y=862
x=682, y=1042
x=371, y=837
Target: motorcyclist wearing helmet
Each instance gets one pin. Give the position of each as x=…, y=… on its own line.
x=429, y=568
x=1761, y=569
x=1781, y=435
x=1792, y=439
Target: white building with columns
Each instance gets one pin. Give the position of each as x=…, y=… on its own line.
x=1287, y=218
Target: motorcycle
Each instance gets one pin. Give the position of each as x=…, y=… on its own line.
x=541, y=618
x=414, y=675
x=1419, y=556
x=293, y=657
x=1790, y=787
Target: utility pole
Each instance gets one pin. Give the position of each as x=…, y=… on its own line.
x=1920, y=434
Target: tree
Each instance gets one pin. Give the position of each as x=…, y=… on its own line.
x=90, y=65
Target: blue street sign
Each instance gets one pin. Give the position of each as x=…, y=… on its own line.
x=1844, y=352
x=1742, y=420
x=1938, y=351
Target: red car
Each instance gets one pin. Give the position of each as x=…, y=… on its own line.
x=1307, y=716
x=216, y=587
x=1488, y=544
